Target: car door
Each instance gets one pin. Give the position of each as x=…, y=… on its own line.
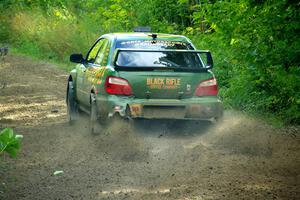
x=83, y=74
x=93, y=67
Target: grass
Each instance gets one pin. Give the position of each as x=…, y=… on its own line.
x=66, y=66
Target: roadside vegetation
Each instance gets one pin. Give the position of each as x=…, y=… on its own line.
x=255, y=44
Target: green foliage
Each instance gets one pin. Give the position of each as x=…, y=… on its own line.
x=9, y=142
x=258, y=45
x=255, y=44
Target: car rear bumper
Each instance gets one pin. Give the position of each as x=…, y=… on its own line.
x=191, y=108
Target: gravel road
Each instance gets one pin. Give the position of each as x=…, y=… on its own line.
x=240, y=158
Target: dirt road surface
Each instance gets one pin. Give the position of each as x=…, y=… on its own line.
x=241, y=158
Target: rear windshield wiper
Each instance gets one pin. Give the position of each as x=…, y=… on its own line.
x=167, y=62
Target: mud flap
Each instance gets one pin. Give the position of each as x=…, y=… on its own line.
x=72, y=109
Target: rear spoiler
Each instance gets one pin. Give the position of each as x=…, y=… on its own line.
x=208, y=64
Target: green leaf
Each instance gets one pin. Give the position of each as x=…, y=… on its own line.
x=9, y=142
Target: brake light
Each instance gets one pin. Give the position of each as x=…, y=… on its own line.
x=119, y=86
x=207, y=88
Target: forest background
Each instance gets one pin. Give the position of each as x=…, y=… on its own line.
x=255, y=43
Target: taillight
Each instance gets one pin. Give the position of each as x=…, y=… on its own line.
x=119, y=86
x=207, y=88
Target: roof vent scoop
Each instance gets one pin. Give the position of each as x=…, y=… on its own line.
x=154, y=36
x=142, y=29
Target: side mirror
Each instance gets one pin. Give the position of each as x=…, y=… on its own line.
x=207, y=59
x=76, y=58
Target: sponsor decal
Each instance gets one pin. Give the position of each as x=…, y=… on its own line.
x=188, y=87
x=135, y=109
x=138, y=43
x=95, y=76
x=163, y=83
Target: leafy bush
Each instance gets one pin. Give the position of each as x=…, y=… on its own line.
x=9, y=142
x=257, y=55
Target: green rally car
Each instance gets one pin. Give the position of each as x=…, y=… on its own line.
x=143, y=75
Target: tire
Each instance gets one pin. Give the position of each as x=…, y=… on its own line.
x=94, y=125
x=72, y=110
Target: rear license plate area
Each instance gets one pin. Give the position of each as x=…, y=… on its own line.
x=164, y=111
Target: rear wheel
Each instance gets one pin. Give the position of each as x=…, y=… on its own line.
x=94, y=125
x=72, y=110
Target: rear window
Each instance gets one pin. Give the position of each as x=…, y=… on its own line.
x=157, y=59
